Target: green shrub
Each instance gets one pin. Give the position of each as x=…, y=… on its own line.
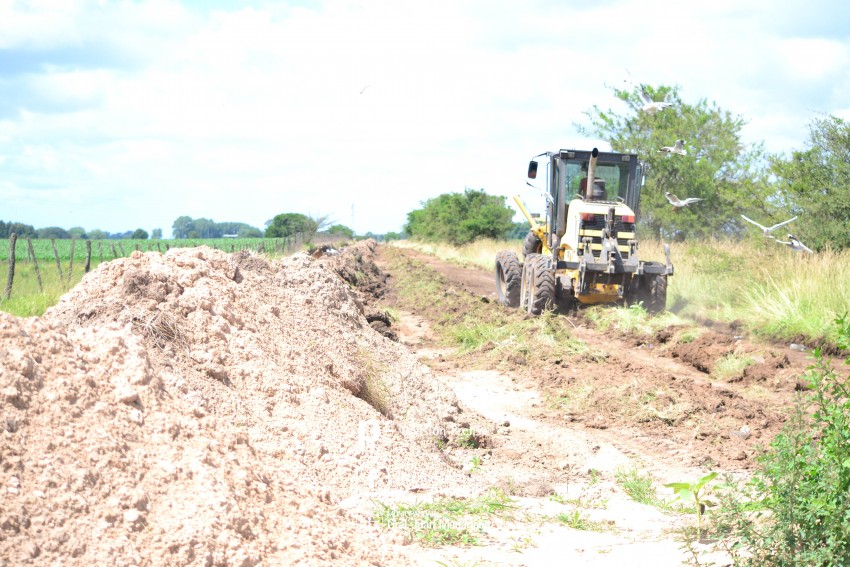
x=796, y=509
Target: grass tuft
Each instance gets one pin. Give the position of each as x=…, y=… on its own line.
x=448, y=521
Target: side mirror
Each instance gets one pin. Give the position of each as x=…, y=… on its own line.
x=532, y=170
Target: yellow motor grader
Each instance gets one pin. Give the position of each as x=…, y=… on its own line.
x=586, y=249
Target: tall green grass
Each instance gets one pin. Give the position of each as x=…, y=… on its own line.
x=765, y=287
x=478, y=254
x=27, y=299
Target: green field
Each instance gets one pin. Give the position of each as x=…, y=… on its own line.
x=103, y=250
x=29, y=299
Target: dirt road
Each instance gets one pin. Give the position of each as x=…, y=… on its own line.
x=565, y=437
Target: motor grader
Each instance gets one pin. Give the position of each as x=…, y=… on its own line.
x=585, y=251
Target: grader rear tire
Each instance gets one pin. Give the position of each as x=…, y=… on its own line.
x=508, y=278
x=657, y=294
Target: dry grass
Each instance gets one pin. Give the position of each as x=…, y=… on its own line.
x=479, y=254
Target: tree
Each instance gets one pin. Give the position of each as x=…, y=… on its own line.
x=204, y=228
x=815, y=182
x=340, y=230
x=139, y=234
x=53, y=232
x=717, y=168
x=78, y=232
x=182, y=227
x=156, y=234
x=247, y=231
x=519, y=230
x=460, y=218
x=390, y=236
x=21, y=229
x=287, y=225
x=98, y=234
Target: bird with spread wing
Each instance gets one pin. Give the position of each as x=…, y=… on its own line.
x=680, y=203
x=766, y=230
x=795, y=244
x=677, y=148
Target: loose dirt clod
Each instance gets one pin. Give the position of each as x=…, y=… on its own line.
x=204, y=408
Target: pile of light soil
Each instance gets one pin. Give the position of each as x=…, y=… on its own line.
x=205, y=408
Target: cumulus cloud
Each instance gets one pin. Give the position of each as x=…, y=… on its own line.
x=139, y=112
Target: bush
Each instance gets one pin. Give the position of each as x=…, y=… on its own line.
x=796, y=509
x=460, y=218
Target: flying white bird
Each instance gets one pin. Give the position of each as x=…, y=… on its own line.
x=678, y=204
x=766, y=230
x=652, y=106
x=677, y=148
x=795, y=244
x=649, y=105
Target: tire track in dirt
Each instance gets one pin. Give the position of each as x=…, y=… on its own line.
x=693, y=418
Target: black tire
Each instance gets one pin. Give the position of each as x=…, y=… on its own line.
x=638, y=292
x=527, y=268
x=540, y=282
x=657, y=294
x=531, y=245
x=508, y=278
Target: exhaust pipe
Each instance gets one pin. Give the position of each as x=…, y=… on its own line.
x=591, y=172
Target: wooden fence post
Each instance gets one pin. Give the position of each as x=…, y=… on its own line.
x=71, y=261
x=100, y=250
x=158, y=247
x=114, y=251
x=88, y=255
x=12, y=239
x=56, y=257
x=35, y=264
x=121, y=248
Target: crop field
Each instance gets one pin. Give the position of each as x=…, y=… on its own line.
x=60, y=264
x=102, y=250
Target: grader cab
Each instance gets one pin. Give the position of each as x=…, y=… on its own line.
x=586, y=248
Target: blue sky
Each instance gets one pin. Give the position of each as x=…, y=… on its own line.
x=127, y=114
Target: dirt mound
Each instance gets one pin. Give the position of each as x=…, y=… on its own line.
x=703, y=352
x=204, y=408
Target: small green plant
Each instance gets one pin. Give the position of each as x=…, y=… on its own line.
x=475, y=464
x=523, y=543
x=689, y=335
x=468, y=438
x=577, y=520
x=637, y=485
x=450, y=521
x=731, y=365
x=691, y=494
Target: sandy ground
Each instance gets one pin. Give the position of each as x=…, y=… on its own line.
x=204, y=408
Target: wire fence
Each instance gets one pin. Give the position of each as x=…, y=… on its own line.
x=65, y=252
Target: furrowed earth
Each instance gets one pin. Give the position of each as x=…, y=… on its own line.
x=205, y=408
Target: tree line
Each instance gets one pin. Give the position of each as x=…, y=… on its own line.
x=59, y=233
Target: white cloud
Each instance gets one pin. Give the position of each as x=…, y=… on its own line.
x=242, y=114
